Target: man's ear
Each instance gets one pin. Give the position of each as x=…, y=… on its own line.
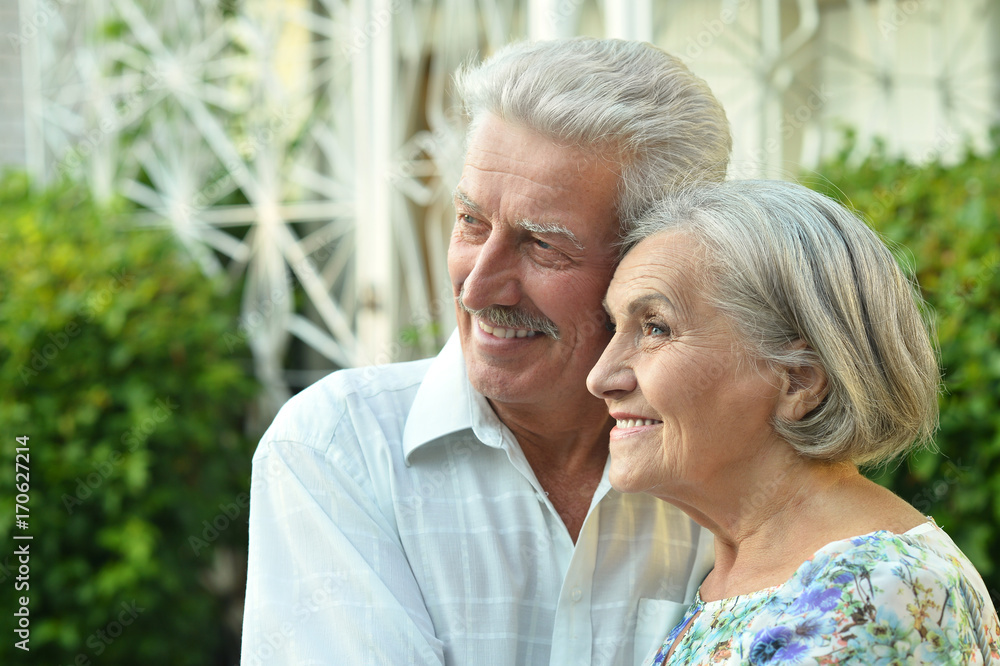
x=803, y=389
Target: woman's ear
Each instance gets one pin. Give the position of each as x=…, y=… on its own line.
x=803, y=389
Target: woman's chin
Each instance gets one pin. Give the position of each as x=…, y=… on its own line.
x=627, y=481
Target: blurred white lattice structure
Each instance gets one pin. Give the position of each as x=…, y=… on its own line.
x=308, y=148
x=923, y=75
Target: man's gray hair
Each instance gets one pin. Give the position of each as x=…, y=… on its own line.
x=787, y=264
x=629, y=102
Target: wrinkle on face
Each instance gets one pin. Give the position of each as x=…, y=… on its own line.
x=715, y=402
x=542, y=241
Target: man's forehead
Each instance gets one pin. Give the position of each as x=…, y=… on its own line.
x=524, y=152
x=514, y=174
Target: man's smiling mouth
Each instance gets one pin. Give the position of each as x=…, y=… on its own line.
x=500, y=332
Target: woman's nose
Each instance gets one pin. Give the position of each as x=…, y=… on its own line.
x=611, y=378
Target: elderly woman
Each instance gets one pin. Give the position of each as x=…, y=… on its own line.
x=766, y=344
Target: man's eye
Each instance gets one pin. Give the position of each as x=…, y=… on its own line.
x=610, y=326
x=542, y=244
x=468, y=219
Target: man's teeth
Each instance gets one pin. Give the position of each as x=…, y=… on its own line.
x=500, y=332
x=632, y=423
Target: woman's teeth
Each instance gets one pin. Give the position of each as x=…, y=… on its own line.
x=632, y=423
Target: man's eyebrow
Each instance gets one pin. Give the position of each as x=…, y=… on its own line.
x=528, y=225
x=551, y=228
x=467, y=201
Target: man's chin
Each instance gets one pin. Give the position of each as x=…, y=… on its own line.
x=500, y=385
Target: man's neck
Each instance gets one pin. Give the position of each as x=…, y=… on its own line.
x=567, y=449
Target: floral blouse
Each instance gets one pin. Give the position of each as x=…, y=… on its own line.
x=880, y=599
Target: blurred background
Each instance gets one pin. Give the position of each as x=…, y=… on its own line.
x=207, y=205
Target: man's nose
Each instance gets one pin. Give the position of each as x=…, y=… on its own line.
x=495, y=278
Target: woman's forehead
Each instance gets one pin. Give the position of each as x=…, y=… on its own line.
x=668, y=268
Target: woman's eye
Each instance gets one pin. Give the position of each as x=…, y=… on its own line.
x=652, y=328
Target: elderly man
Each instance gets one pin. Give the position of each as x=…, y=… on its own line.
x=457, y=510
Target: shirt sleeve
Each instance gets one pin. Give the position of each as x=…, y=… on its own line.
x=328, y=581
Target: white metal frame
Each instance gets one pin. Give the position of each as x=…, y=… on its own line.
x=334, y=122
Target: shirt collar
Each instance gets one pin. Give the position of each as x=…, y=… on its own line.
x=446, y=403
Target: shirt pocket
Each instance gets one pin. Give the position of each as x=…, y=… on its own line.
x=653, y=623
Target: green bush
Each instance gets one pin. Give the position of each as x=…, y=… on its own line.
x=116, y=363
x=946, y=220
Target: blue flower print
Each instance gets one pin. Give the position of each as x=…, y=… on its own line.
x=868, y=539
x=815, y=625
x=881, y=599
x=791, y=654
x=767, y=642
x=816, y=598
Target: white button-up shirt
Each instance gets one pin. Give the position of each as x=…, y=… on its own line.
x=395, y=520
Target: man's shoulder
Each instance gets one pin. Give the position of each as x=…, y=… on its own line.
x=317, y=413
x=368, y=381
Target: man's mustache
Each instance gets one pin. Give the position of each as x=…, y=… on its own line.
x=507, y=316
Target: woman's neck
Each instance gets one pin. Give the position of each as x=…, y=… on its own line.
x=778, y=518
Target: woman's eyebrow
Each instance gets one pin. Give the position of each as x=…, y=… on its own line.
x=646, y=299
x=640, y=302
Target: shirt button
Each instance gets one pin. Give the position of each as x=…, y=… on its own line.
x=576, y=594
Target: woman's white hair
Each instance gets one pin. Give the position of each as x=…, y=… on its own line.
x=629, y=102
x=787, y=264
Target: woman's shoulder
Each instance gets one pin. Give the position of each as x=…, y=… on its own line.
x=925, y=553
x=926, y=547
x=880, y=597
x=916, y=587
x=911, y=595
